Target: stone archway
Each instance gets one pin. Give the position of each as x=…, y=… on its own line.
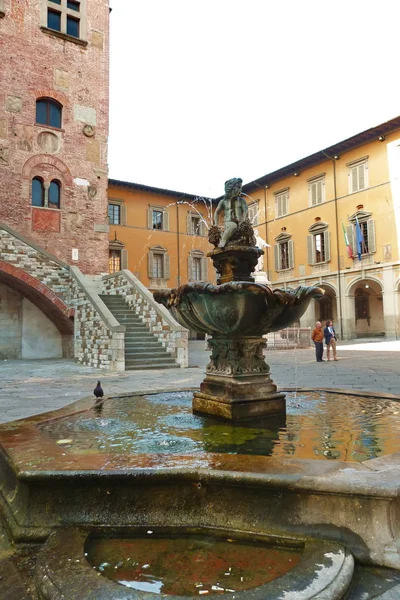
x=326, y=307
x=365, y=309
x=36, y=322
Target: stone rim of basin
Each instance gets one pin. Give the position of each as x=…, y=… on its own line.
x=62, y=570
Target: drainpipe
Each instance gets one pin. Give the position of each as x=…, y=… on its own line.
x=266, y=255
x=178, y=278
x=337, y=240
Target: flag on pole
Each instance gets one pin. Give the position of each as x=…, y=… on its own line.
x=348, y=245
x=360, y=244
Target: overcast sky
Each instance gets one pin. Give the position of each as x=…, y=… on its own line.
x=202, y=91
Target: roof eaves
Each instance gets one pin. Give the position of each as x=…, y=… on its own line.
x=328, y=153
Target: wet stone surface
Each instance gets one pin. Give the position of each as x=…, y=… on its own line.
x=318, y=425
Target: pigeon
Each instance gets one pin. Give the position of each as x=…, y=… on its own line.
x=98, y=390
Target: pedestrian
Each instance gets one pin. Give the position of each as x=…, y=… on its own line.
x=330, y=340
x=317, y=337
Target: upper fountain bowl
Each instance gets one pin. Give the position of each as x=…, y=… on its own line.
x=236, y=308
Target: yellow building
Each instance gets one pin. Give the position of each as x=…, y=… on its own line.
x=333, y=219
x=159, y=235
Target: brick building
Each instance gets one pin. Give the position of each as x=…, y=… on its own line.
x=54, y=246
x=54, y=126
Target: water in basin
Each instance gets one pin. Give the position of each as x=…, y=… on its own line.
x=190, y=565
x=319, y=425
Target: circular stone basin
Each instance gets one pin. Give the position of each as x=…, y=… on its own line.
x=317, y=425
x=189, y=566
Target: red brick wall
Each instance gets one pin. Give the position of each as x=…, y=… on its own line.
x=36, y=64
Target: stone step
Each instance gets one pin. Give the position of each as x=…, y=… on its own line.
x=147, y=367
x=141, y=364
x=138, y=331
x=142, y=348
x=137, y=345
x=145, y=353
x=128, y=319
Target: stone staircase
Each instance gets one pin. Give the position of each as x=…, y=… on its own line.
x=142, y=349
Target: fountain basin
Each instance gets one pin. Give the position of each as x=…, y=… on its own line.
x=63, y=568
x=237, y=308
x=46, y=485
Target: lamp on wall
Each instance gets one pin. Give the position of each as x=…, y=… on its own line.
x=381, y=138
x=296, y=173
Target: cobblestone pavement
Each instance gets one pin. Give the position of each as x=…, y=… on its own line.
x=32, y=387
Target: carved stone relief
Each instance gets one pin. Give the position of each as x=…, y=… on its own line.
x=48, y=142
x=14, y=104
x=4, y=154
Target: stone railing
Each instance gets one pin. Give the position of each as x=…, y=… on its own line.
x=173, y=336
x=99, y=338
x=21, y=253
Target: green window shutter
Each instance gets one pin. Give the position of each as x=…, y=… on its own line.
x=150, y=263
x=313, y=188
x=124, y=259
x=291, y=254
x=167, y=273
x=123, y=214
x=204, y=269
x=327, y=245
x=189, y=227
x=371, y=235
x=190, y=268
x=203, y=229
x=350, y=236
x=150, y=218
x=310, y=252
x=165, y=220
x=276, y=257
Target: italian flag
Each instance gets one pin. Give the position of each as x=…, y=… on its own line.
x=346, y=241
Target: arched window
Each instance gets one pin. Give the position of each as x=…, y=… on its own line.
x=54, y=194
x=37, y=191
x=48, y=112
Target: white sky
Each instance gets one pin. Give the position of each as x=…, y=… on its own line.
x=205, y=90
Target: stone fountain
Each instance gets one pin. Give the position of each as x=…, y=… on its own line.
x=207, y=502
x=236, y=313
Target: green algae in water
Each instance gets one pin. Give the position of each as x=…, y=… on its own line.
x=188, y=566
x=317, y=425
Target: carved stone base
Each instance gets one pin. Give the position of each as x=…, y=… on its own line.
x=235, y=263
x=238, y=384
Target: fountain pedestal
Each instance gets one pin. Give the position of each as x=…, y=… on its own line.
x=237, y=383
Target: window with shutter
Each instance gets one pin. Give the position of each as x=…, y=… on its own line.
x=158, y=266
x=157, y=218
x=114, y=214
x=197, y=269
x=197, y=266
x=195, y=225
x=253, y=213
x=318, y=243
x=316, y=191
x=284, y=255
x=158, y=263
x=367, y=227
x=114, y=261
x=281, y=203
x=358, y=176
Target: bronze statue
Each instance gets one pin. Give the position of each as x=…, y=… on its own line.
x=234, y=207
